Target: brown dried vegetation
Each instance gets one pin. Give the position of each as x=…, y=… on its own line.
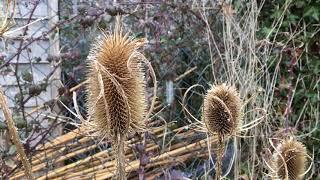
x=221, y=112
x=116, y=90
x=116, y=87
x=290, y=161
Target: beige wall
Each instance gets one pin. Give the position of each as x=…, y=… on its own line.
x=45, y=16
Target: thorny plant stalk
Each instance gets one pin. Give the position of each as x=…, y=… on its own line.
x=220, y=151
x=121, y=172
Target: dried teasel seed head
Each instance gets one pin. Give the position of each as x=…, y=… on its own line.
x=290, y=155
x=116, y=85
x=221, y=110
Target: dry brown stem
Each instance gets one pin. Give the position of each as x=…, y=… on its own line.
x=14, y=135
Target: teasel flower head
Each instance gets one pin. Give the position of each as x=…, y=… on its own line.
x=116, y=89
x=222, y=110
x=116, y=84
x=290, y=160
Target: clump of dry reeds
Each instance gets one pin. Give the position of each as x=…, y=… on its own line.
x=116, y=89
x=290, y=160
x=221, y=115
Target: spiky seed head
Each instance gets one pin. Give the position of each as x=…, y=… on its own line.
x=290, y=154
x=221, y=109
x=116, y=85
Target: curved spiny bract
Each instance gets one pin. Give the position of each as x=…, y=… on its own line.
x=291, y=155
x=221, y=110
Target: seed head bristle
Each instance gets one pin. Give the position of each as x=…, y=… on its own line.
x=221, y=110
x=116, y=86
x=291, y=156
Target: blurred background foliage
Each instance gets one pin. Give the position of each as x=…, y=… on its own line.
x=300, y=67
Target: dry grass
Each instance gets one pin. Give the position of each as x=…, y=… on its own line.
x=244, y=62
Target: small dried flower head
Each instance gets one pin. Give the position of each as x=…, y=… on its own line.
x=291, y=155
x=221, y=110
x=116, y=85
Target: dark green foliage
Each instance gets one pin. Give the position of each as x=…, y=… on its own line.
x=301, y=55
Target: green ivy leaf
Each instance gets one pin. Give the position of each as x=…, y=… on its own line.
x=2, y=126
x=266, y=30
x=313, y=12
x=12, y=150
x=300, y=4
x=27, y=76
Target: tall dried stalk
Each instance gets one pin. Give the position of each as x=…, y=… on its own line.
x=243, y=60
x=221, y=115
x=14, y=136
x=116, y=89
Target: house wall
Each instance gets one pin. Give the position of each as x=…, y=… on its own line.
x=33, y=61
